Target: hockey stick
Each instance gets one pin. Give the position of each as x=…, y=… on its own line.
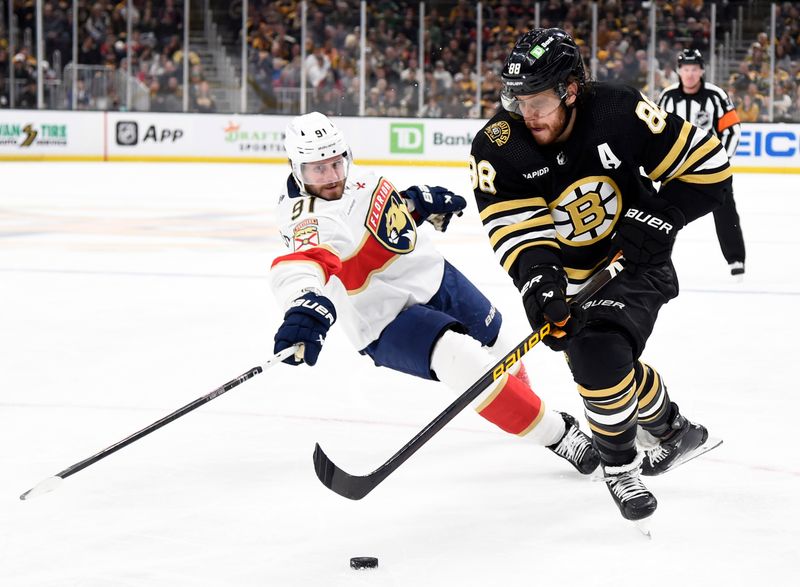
x=52, y=483
x=357, y=486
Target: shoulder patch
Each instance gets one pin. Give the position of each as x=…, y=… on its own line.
x=306, y=234
x=499, y=133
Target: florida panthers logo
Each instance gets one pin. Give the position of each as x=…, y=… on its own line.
x=389, y=220
x=586, y=211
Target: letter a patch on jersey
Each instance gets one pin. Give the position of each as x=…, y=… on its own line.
x=389, y=220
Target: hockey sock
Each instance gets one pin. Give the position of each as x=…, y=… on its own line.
x=653, y=400
x=515, y=408
x=611, y=413
x=459, y=360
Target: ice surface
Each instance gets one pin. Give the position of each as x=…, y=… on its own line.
x=129, y=290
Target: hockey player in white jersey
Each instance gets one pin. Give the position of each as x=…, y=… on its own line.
x=357, y=255
x=708, y=106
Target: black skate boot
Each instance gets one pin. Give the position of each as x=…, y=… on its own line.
x=679, y=445
x=634, y=500
x=576, y=447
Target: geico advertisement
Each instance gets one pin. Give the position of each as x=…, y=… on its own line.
x=769, y=145
x=194, y=137
x=31, y=134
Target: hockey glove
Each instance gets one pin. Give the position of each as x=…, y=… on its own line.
x=434, y=204
x=544, y=300
x=306, y=322
x=646, y=233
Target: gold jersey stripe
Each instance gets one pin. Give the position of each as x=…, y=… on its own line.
x=512, y=256
x=511, y=228
x=699, y=152
x=676, y=150
x=707, y=178
x=511, y=205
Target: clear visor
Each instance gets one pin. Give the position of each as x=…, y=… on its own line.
x=324, y=172
x=533, y=106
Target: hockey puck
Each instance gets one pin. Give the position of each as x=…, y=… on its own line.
x=364, y=562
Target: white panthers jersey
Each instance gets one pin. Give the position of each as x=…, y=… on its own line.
x=363, y=251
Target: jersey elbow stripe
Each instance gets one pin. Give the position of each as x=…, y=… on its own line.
x=328, y=262
x=700, y=152
x=680, y=146
x=708, y=178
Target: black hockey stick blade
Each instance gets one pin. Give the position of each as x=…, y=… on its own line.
x=357, y=486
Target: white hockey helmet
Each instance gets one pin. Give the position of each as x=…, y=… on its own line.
x=311, y=138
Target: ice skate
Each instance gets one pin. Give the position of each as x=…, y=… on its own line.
x=634, y=500
x=576, y=447
x=685, y=441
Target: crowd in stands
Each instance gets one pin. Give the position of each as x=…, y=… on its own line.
x=450, y=52
x=748, y=86
x=156, y=55
x=392, y=88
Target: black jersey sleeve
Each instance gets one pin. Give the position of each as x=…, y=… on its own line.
x=691, y=164
x=513, y=209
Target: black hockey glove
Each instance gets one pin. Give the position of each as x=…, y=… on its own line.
x=646, y=233
x=545, y=301
x=307, y=322
x=434, y=204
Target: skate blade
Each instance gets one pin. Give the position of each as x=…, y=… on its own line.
x=645, y=526
x=709, y=445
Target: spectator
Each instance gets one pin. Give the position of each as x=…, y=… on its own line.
x=317, y=66
x=27, y=100
x=748, y=110
x=203, y=100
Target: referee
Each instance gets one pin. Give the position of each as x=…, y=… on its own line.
x=709, y=107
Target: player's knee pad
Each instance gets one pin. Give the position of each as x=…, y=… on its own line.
x=458, y=360
x=600, y=357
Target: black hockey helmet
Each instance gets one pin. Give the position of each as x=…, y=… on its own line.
x=691, y=57
x=540, y=60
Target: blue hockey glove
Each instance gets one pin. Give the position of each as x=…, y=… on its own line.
x=646, y=233
x=306, y=322
x=545, y=301
x=434, y=204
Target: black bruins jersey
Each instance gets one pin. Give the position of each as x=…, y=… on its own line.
x=559, y=204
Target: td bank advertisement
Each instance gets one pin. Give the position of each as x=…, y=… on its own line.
x=410, y=141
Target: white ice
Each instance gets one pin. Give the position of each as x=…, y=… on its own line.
x=129, y=290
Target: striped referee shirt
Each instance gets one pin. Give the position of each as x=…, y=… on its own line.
x=710, y=109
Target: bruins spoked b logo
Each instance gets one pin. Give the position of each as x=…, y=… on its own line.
x=586, y=211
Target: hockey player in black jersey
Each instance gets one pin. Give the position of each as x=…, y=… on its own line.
x=556, y=176
x=708, y=106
